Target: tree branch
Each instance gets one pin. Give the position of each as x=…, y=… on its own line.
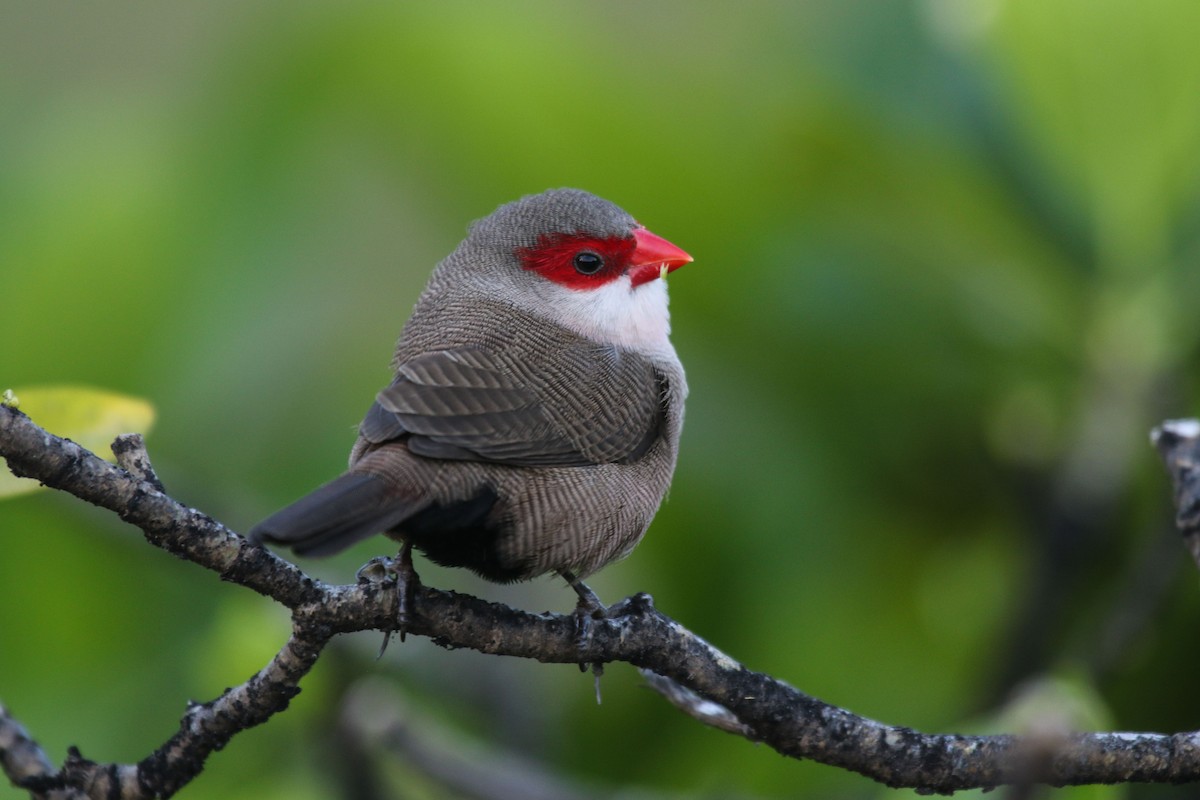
x=1178, y=442
x=770, y=710
x=23, y=760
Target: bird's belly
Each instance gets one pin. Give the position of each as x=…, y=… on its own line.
x=511, y=524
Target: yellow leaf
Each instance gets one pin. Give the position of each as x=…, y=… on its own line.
x=88, y=416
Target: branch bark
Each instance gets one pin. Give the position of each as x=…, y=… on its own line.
x=768, y=710
x=1178, y=442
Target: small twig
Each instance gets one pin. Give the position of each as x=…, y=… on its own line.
x=130, y=451
x=205, y=727
x=696, y=706
x=23, y=759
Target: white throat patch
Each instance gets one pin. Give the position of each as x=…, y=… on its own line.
x=615, y=313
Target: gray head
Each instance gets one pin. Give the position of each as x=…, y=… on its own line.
x=519, y=224
x=572, y=258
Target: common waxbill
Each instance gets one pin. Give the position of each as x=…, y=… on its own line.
x=533, y=422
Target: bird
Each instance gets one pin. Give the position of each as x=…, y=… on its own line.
x=532, y=425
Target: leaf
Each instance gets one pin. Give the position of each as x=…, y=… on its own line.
x=90, y=417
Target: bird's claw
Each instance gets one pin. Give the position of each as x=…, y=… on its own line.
x=583, y=616
x=378, y=570
x=382, y=569
x=587, y=610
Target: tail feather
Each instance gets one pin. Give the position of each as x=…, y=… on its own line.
x=344, y=511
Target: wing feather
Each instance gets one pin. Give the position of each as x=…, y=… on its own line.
x=585, y=404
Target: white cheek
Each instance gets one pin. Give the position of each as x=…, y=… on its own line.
x=616, y=313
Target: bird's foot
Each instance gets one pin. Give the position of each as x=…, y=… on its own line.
x=406, y=585
x=400, y=571
x=587, y=610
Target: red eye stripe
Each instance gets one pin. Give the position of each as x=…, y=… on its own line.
x=553, y=257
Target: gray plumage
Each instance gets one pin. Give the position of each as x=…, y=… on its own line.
x=530, y=427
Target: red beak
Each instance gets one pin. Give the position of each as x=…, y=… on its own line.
x=653, y=257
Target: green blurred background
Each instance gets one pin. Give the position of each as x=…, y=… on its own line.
x=944, y=285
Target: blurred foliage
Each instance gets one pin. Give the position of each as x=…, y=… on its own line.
x=945, y=277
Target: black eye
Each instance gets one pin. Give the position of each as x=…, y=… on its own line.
x=588, y=263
